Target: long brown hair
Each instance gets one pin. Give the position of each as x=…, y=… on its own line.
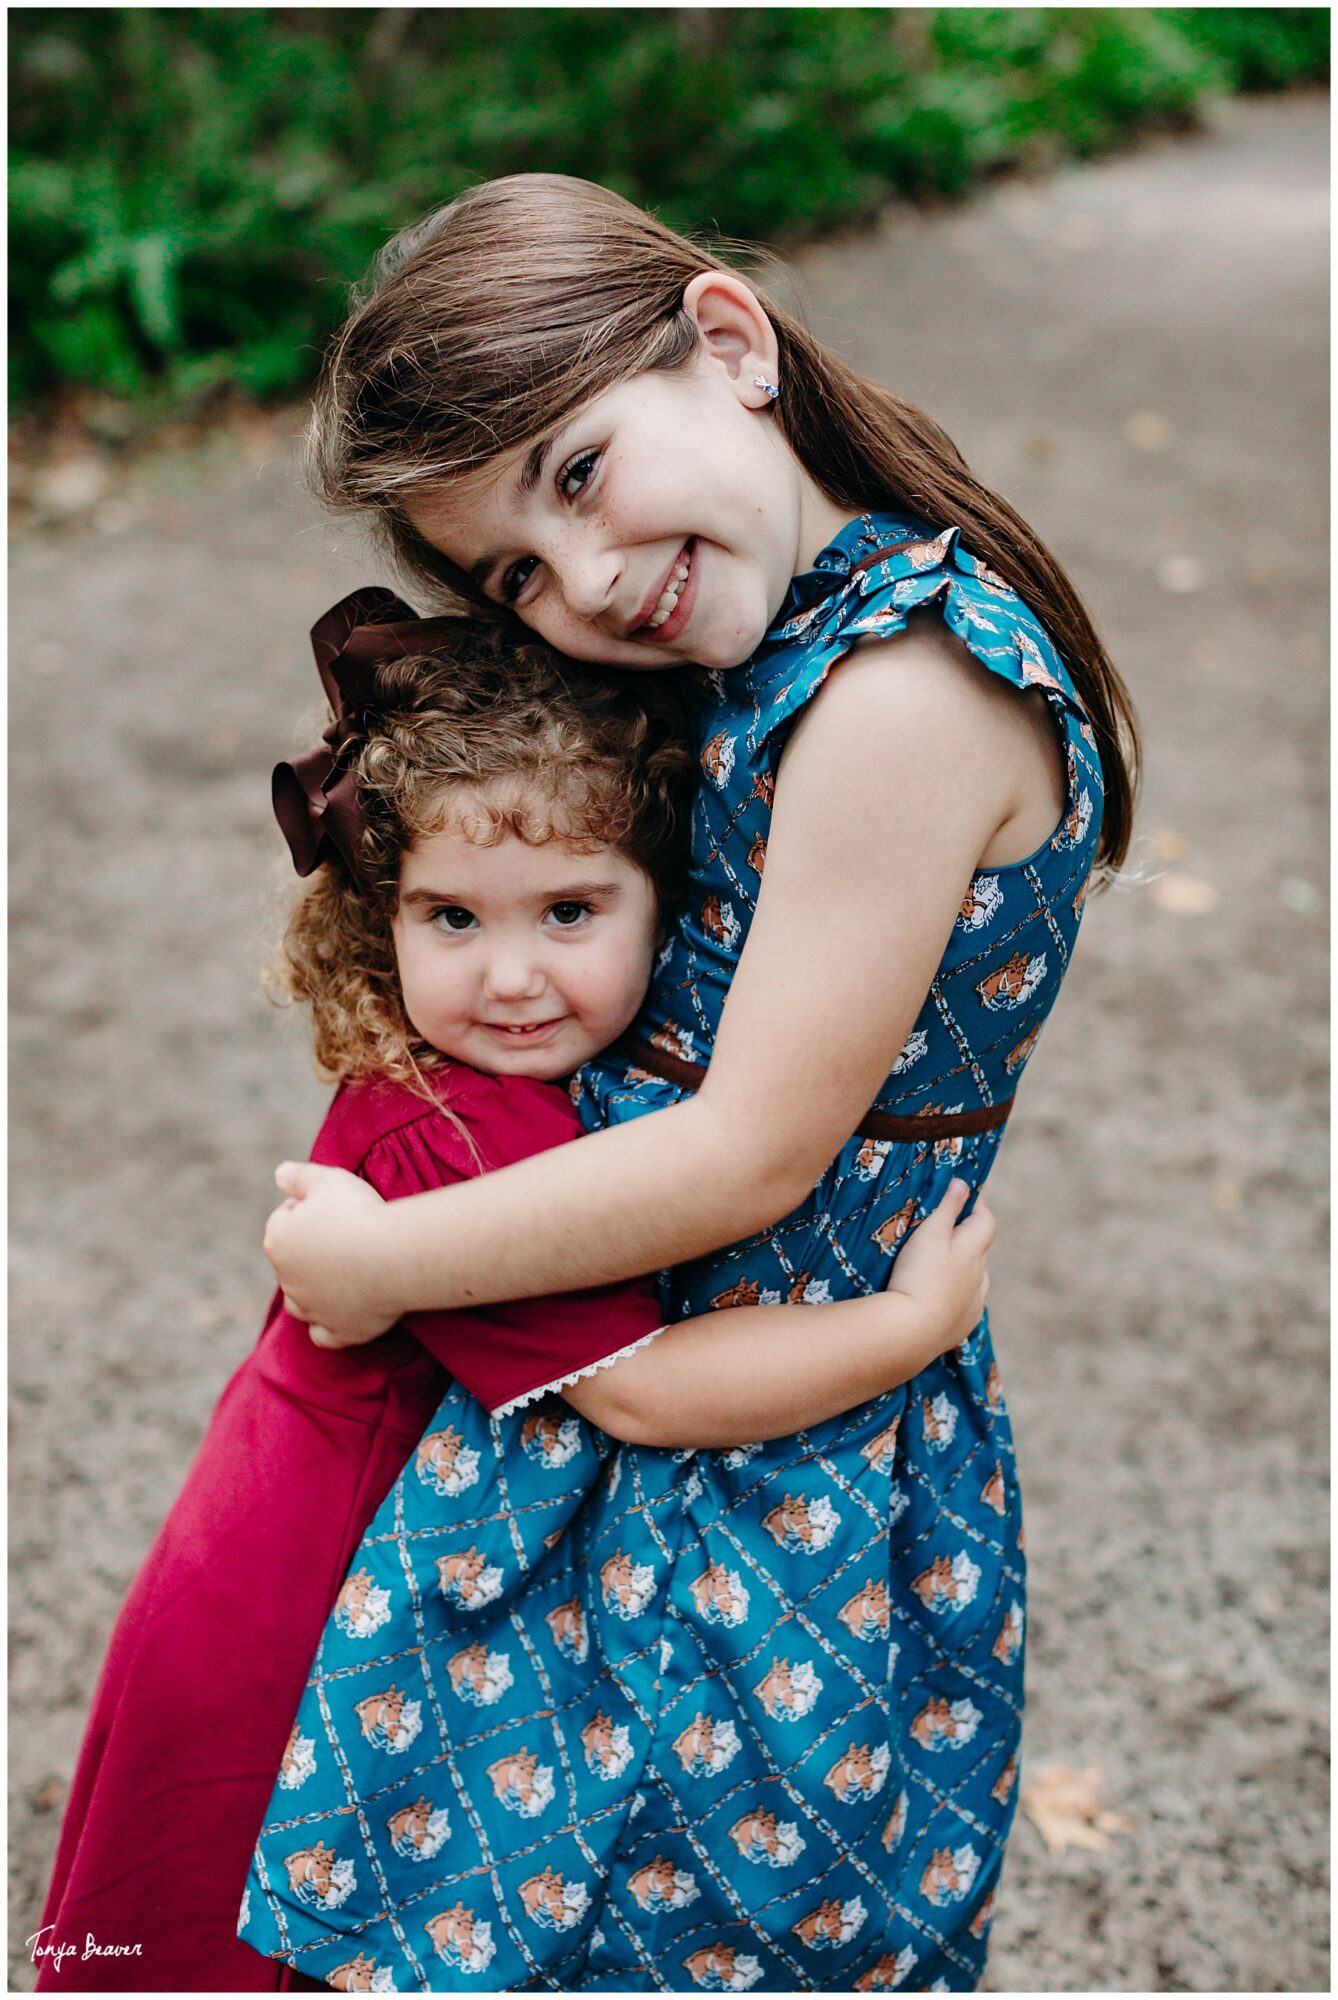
x=490, y=323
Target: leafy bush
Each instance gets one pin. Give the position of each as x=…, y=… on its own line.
x=191, y=190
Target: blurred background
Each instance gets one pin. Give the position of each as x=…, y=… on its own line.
x=192, y=189
x=1092, y=242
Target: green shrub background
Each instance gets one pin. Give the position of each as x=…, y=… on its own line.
x=192, y=190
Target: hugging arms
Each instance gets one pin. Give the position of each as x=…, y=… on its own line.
x=854, y=910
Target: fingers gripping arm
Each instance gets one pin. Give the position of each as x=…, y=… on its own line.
x=758, y=1372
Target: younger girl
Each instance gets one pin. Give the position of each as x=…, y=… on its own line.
x=498, y=843
x=913, y=752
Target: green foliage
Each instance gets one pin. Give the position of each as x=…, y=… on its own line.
x=192, y=189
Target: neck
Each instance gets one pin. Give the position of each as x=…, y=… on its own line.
x=820, y=518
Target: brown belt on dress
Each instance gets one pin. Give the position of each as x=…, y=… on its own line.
x=873, y=1125
x=881, y=555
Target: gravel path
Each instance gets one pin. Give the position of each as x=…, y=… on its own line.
x=1135, y=353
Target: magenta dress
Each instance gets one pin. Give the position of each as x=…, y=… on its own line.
x=192, y=1713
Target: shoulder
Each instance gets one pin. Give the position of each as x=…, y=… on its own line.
x=364, y=1111
x=918, y=600
x=915, y=694
x=937, y=582
x=488, y=1121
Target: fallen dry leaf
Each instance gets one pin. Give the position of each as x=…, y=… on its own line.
x=1062, y=1805
x=1183, y=895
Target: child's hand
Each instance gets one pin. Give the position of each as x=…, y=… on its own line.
x=944, y=1268
x=324, y=1254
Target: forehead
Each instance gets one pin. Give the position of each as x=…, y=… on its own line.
x=466, y=516
x=521, y=841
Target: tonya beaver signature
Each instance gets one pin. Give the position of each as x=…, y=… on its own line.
x=58, y=1953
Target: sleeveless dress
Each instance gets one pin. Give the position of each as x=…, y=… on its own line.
x=741, y=1719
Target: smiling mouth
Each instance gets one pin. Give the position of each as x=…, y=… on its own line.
x=670, y=593
x=525, y=1031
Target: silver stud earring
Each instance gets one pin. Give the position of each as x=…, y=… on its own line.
x=761, y=382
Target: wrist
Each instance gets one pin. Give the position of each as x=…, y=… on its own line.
x=925, y=1327
x=389, y=1262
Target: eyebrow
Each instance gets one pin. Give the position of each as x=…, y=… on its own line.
x=531, y=472
x=574, y=892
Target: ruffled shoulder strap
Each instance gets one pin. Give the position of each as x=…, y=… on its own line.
x=874, y=599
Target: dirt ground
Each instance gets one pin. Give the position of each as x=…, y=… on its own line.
x=1135, y=353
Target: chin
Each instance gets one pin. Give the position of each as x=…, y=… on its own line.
x=725, y=650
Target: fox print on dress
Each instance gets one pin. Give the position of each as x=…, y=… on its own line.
x=468, y=1578
x=707, y=1746
x=445, y=1464
x=789, y=1690
x=299, y=1761
x=760, y=1706
x=461, y=1939
x=316, y=1876
x=522, y=1783
x=760, y=1836
x=417, y=1832
x=661, y=1886
x=362, y=1607
x=389, y=1721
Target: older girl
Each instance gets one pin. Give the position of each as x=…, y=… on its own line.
x=490, y=848
x=913, y=751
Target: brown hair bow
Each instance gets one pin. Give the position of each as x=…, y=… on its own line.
x=316, y=795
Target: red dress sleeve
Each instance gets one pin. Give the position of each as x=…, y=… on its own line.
x=507, y=1353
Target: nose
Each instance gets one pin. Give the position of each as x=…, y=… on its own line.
x=588, y=571
x=513, y=973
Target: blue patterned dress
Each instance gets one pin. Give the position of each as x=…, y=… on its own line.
x=637, y=1719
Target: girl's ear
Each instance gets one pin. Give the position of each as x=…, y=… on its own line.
x=736, y=334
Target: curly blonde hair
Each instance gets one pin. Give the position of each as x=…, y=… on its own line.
x=497, y=736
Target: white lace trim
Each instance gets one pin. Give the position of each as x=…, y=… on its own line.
x=576, y=1375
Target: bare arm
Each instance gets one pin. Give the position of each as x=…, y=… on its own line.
x=866, y=867
x=756, y=1372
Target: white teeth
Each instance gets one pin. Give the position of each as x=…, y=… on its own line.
x=669, y=597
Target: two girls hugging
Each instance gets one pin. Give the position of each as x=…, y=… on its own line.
x=525, y=1621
